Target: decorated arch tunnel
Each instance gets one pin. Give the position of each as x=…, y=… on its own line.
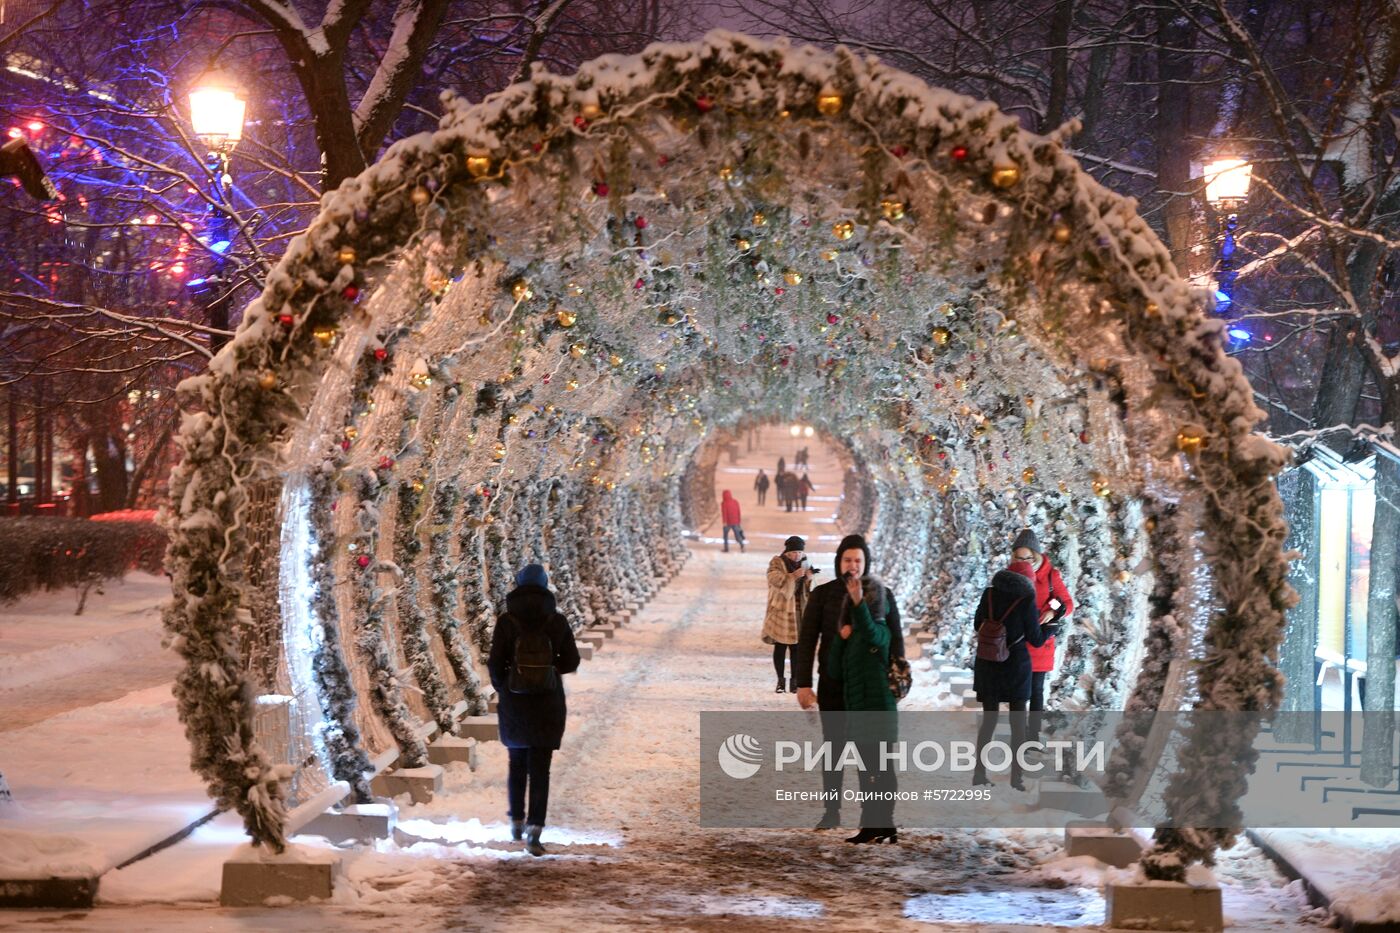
x=510, y=338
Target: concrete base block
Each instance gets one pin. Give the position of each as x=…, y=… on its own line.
x=482, y=728
x=606, y=629
x=924, y=638
x=632, y=606
x=590, y=638
x=959, y=684
x=585, y=651
x=1108, y=846
x=1163, y=907
x=913, y=650
x=251, y=882
x=1059, y=795
x=57, y=893
x=970, y=701
x=360, y=822
x=493, y=704
x=419, y=783
x=953, y=670
x=453, y=748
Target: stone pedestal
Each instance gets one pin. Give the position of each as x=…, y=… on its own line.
x=57, y=893
x=913, y=650
x=450, y=748
x=419, y=783
x=959, y=684
x=1163, y=906
x=481, y=728
x=595, y=639
x=1112, y=847
x=585, y=650
x=1059, y=795
x=606, y=629
x=253, y=877
x=970, y=701
x=493, y=704
x=924, y=637
x=358, y=822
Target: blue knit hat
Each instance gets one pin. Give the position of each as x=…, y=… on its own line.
x=532, y=575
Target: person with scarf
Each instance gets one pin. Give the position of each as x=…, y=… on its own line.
x=789, y=583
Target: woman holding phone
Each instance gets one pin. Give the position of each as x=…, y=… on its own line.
x=1053, y=601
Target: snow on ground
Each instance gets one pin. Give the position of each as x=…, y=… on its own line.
x=625, y=846
x=52, y=661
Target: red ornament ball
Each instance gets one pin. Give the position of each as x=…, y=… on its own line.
x=386, y=463
x=362, y=561
x=641, y=223
x=704, y=103
x=581, y=122
x=601, y=189
x=899, y=152
x=833, y=318
x=639, y=284
x=350, y=293
x=286, y=320
x=345, y=444
x=381, y=354
x=662, y=160
x=780, y=291
x=959, y=153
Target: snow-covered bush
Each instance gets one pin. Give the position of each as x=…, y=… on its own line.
x=54, y=553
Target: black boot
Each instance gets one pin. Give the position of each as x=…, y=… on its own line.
x=875, y=835
x=780, y=686
x=517, y=830
x=532, y=840
x=831, y=819
x=979, y=776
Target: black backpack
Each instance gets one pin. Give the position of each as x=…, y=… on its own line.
x=532, y=669
x=991, y=634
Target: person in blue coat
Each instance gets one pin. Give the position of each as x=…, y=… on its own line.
x=1010, y=603
x=531, y=724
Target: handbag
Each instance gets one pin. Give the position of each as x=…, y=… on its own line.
x=901, y=677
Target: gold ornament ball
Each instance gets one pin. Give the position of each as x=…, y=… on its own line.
x=1005, y=176
x=892, y=209
x=726, y=173
x=573, y=289
x=267, y=380
x=614, y=360
x=829, y=103
x=659, y=366
x=571, y=385
x=521, y=290
x=1190, y=439
x=478, y=165
x=578, y=350
x=1124, y=576
x=499, y=451
x=421, y=195
x=325, y=336
x=566, y=318
x=980, y=429
x=1151, y=309
x=830, y=255
x=418, y=485
x=591, y=111
x=346, y=256
x=940, y=336
x=1061, y=233
x=743, y=245
x=792, y=277
x=843, y=230
x=760, y=219
x=1028, y=475
x=352, y=432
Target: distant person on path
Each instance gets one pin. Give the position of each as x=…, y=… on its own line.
x=855, y=602
x=531, y=649
x=788, y=485
x=761, y=484
x=782, y=467
x=789, y=584
x=1053, y=600
x=804, y=488
x=1006, y=624
x=729, y=514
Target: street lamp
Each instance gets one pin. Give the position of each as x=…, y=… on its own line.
x=216, y=111
x=1227, y=188
x=795, y=430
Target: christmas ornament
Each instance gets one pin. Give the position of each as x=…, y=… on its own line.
x=892, y=209
x=420, y=195
x=573, y=289
x=843, y=229
x=743, y=245
x=1061, y=233
x=362, y=561
x=478, y=165
x=829, y=103
x=350, y=293
x=520, y=290
x=565, y=317
x=940, y=336
x=958, y=153
x=614, y=360
x=1006, y=176
x=578, y=350
x=1190, y=439
x=726, y=173
x=1028, y=475
x=267, y=380
x=325, y=336
x=760, y=219
x=591, y=111
x=830, y=254
x=792, y=277
x=346, y=256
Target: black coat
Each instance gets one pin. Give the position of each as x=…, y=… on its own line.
x=821, y=623
x=531, y=720
x=1004, y=681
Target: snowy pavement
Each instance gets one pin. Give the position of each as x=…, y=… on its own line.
x=626, y=850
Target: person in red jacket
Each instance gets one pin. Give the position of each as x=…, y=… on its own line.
x=1053, y=600
x=729, y=513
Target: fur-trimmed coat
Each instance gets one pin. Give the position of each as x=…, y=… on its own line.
x=787, y=600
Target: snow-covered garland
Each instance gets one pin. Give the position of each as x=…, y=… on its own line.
x=443, y=574
x=1093, y=612
x=1073, y=242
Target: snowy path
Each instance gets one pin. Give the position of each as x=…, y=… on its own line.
x=626, y=848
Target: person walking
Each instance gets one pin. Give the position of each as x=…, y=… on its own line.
x=804, y=487
x=782, y=467
x=789, y=485
x=1006, y=624
x=729, y=514
x=856, y=602
x=789, y=584
x=1053, y=601
x=761, y=484
x=532, y=648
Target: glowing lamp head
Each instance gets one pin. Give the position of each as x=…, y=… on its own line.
x=1227, y=181
x=795, y=430
x=217, y=110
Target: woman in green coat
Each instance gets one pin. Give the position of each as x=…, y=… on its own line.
x=862, y=656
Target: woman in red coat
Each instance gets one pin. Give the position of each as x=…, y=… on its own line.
x=729, y=514
x=1053, y=600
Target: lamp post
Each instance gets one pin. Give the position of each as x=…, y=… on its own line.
x=216, y=111
x=1227, y=188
